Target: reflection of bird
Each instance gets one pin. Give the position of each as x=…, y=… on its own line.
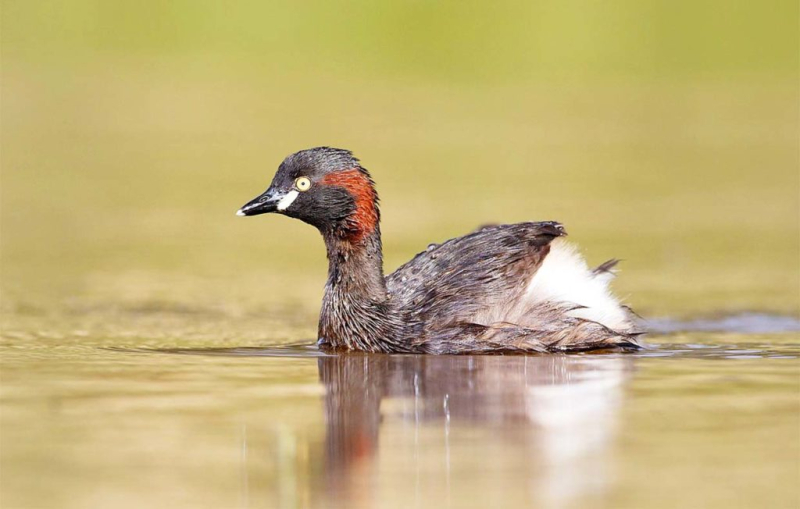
x=549, y=419
x=507, y=288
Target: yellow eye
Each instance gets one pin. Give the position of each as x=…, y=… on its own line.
x=302, y=184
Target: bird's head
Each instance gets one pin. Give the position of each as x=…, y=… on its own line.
x=325, y=187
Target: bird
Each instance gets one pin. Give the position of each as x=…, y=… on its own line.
x=501, y=289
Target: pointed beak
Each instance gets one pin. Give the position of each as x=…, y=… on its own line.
x=267, y=202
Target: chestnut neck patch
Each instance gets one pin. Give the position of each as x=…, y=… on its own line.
x=365, y=216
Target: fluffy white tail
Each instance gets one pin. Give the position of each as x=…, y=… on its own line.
x=565, y=277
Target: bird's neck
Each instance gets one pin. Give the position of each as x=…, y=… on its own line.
x=355, y=267
x=357, y=313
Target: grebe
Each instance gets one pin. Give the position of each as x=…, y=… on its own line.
x=513, y=288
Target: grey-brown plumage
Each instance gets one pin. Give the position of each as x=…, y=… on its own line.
x=495, y=290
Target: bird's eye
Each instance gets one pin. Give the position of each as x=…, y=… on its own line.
x=302, y=184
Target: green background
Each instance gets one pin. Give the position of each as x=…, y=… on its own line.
x=662, y=133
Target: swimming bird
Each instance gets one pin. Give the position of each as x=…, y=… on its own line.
x=512, y=288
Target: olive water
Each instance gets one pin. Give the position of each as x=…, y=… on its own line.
x=702, y=418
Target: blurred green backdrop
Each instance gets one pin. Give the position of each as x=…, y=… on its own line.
x=664, y=133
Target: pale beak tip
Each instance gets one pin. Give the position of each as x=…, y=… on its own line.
x=239, y=212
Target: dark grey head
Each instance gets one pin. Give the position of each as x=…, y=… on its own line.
x=325, y=187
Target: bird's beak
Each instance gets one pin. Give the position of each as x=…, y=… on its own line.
x=269, y=201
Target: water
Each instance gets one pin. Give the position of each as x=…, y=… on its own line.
x=699, y=419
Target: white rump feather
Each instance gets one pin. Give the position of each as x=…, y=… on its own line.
x=565, y=277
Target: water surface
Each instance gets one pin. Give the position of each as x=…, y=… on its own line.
x=699, y=419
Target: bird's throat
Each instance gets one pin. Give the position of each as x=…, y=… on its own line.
x=355, y=268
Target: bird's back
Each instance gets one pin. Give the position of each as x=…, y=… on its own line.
x=510, y=287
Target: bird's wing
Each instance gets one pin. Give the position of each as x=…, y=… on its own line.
x=463, y=277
